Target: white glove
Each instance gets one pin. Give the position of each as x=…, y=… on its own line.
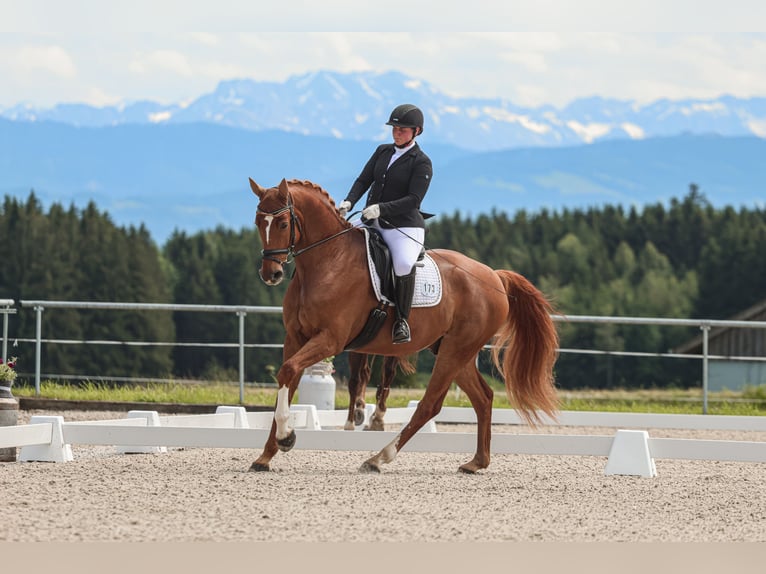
x=344, y=207
x=371, y=211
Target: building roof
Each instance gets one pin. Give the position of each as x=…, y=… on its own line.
x=755, y=313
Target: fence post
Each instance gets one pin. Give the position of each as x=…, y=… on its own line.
x=38, y=345
x=7, y=310
x=705, y=332
x=241, y=315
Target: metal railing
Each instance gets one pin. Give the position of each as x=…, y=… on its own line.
x=240, y=310
x=704, y=324
x=243, y=310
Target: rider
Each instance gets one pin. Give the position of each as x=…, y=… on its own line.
x=398, y=176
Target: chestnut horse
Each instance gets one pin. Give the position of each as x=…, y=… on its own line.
x=330, y=297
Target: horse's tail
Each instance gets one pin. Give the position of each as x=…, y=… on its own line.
x=525, y=347
x=405, y=365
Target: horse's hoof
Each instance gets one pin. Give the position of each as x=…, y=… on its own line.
x=348, y=425
x=375, y=426
x=288, y=442
x=358, y=416
x=369, y=468
x=466, y=469
x=259, y=467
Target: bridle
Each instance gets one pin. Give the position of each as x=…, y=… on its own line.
x=290, y=251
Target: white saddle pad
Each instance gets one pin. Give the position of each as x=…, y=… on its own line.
x=428, y=281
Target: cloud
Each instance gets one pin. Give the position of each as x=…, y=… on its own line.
x=53, y=60
x=161, y=61
x=525, y=68
x=534, y=62
x=758, y=126
x=98, y=97
x=205, y=39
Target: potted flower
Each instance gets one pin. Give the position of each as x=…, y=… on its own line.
x=7, y=376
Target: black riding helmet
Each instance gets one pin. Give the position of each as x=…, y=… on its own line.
x=407, y=116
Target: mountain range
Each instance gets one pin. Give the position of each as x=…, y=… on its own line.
x=354, y=106
x=185, y=166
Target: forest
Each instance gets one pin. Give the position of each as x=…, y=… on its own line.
x=683, y=259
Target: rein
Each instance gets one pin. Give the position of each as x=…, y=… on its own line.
x=291, y=251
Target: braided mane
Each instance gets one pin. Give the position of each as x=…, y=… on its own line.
x=319, y=189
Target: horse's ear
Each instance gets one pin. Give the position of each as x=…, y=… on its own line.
x=257, y=189
x=283, y=190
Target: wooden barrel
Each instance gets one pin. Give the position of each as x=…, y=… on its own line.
x=9, y=416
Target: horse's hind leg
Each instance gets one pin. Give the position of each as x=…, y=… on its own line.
x=480, y=394
x=389, y=372
x=359, y=376
x=447, y=364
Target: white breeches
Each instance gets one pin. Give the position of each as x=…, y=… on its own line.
x=405, y=244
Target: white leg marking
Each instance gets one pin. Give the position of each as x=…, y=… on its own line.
x=387, y=454
x=282, y=413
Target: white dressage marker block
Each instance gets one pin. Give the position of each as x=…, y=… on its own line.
x=152, y=420
x=630, y=455
x=240, y=416
x=56, y=451
x=312, y=416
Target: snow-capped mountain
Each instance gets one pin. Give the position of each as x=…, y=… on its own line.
x=355, y=106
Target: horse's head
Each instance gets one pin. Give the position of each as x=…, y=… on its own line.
x=281, y=217
x=278, y=227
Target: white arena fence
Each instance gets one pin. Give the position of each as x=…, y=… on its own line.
x=628, y=452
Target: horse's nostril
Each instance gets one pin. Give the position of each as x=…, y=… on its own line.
x=277, y=276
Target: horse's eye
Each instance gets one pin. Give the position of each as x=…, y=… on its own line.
x=283, y=225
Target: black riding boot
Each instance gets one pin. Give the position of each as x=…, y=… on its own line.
x=405, y=289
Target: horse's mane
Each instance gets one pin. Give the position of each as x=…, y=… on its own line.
x=322, y=192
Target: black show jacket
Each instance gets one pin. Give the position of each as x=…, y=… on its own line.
x=398, y=190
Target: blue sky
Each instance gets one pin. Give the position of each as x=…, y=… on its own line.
x=532, y=53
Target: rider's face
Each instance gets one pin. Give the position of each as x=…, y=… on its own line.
x=402, y=136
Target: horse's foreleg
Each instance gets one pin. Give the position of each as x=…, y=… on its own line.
x=261, y=464
x=282, y=436
x=279, y=428
x=359, y=367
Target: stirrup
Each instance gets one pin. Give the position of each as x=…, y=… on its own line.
x=401, y=332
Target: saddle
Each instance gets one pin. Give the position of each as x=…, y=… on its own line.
x=381, y=270
x=380, y=255
x=382, y=263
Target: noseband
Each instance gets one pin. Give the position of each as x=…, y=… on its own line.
x=290, y=251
